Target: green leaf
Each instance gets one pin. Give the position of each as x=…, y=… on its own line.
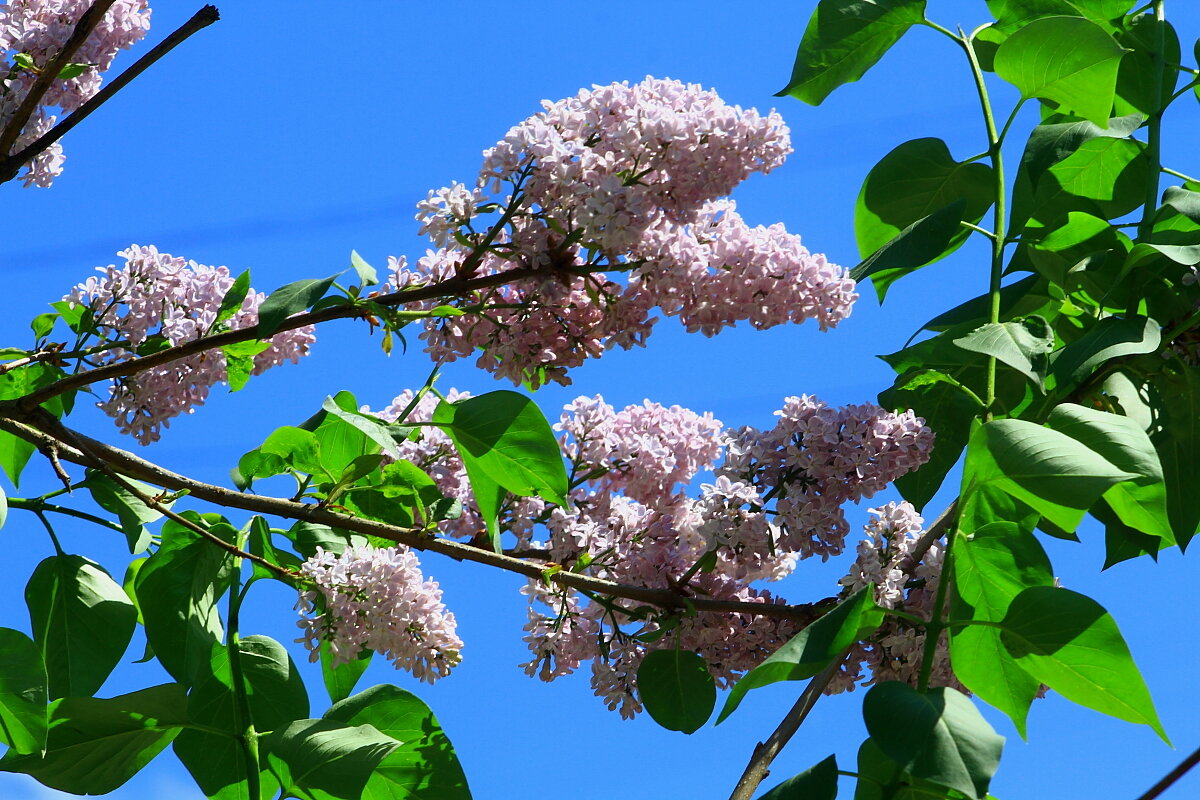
x=1107, y=339
x=1111, y=173
x=133, y=514
x=239, y=362
x=23, y=693
x=276, y=696
x=288, y=300
x=1066, y=60
x=939, y=736
x=811, y=650
x=1139, y=77
x=818, y=782
x=425, y=766
x=14, y=455
x=306, y=537
x=844, y=39
x=1140, y=502
x=298, y=448
x=95, y=745
x=82, y=622
x=1070, y=643
x=365, y=272
x=321, y=759
x=178, y=589
x=991, y=567
x=1013, y=14
x=341, y=680
x=1055, y=474
x=504, y=436
x=1121, y=542
x=948, y=410
x=1021, y=345
x=340, y=442
x=1177, y=441
x=373, y=428
x=677, y=689
x=921, y=243
x=231, y=303
x=912, y=182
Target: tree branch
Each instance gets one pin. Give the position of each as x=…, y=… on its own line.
x=49, y=73
x=201, y=19
x=44, y=430
x=1171, y=777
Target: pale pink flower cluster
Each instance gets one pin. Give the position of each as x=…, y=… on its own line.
x=156, y=294
x=619, y=178
x=39, y=29
x=376, y=598
x=895, y=652
x=816, y=459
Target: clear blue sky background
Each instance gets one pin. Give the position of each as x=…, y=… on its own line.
x=289, y=133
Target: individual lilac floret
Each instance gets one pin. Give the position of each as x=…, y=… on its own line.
x=155, y=293
x=39, y=29
x=378, y=599
x=618, y=179
x=896, y=650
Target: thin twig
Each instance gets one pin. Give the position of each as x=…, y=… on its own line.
x=200, y=20
x=49, y=73
x=1171, y=777
x=41, y=428
x=764, y=752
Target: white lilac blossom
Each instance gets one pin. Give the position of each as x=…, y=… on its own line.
x=155, y=293
x=378, y=599
x=896, y=651
x=38, y=29
x=618, y=179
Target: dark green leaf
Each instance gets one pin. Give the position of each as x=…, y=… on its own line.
x=1177, y=441
x=818, y=782
x=425, y=766
x=130, y=510
x=365, y=272
x=178, y=590
x=1109, y=338
x=844, y=39
x=1070, y=643
x=1121, y=542
x=939, y=736
x=677, y=689
x=1067, y=60
x=82, y=622
x=912, y=182
x=1110, y=172
x=288, y=300
x=23, y=693
x=231, y=303
x=95, y=745
x=811, y=650
x=922, y=242
x=1021, y=345
x=1013, y=14
x=323, y=759
x=308, y=536
x=341, y=680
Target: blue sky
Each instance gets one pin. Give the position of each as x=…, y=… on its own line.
x=289, y=133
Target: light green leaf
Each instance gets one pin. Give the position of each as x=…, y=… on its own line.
x=95, y=746
x=82, y=622
x=340, y=442
x=939, y=736
x=677, y=689
x=1070, y=643
x=133, y=514
x=231, y=303
x=340, y=680
x=1022, y=345
x=811, y=650
x=844, y=39
x=373, y=428
x=298, y=449
x=424, y=766
x=366, y=273
x=1070, y=61
x=23, y=693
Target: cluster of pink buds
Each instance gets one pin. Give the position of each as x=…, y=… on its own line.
x=32, y=34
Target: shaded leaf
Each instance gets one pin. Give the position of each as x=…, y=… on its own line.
x=341, y=680
x=818, y=782
x=23, y=693
x=677, y=689
x=1021, y=345
x=1109, y=338
x=322, y=759
x=922, y=242
x=288, y=300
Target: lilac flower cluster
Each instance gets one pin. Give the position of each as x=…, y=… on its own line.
x=620, y=178
x=896, y=650
x=39, y=29
x=156, y=294
x=378, y=599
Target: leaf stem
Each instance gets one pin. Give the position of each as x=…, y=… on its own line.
x=37, y=506
x=1180, y=175
x=247, y=736
x=995, y=150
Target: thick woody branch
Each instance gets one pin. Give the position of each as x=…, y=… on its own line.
x=200, y=20
x=83, y=29
x=44, y=431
